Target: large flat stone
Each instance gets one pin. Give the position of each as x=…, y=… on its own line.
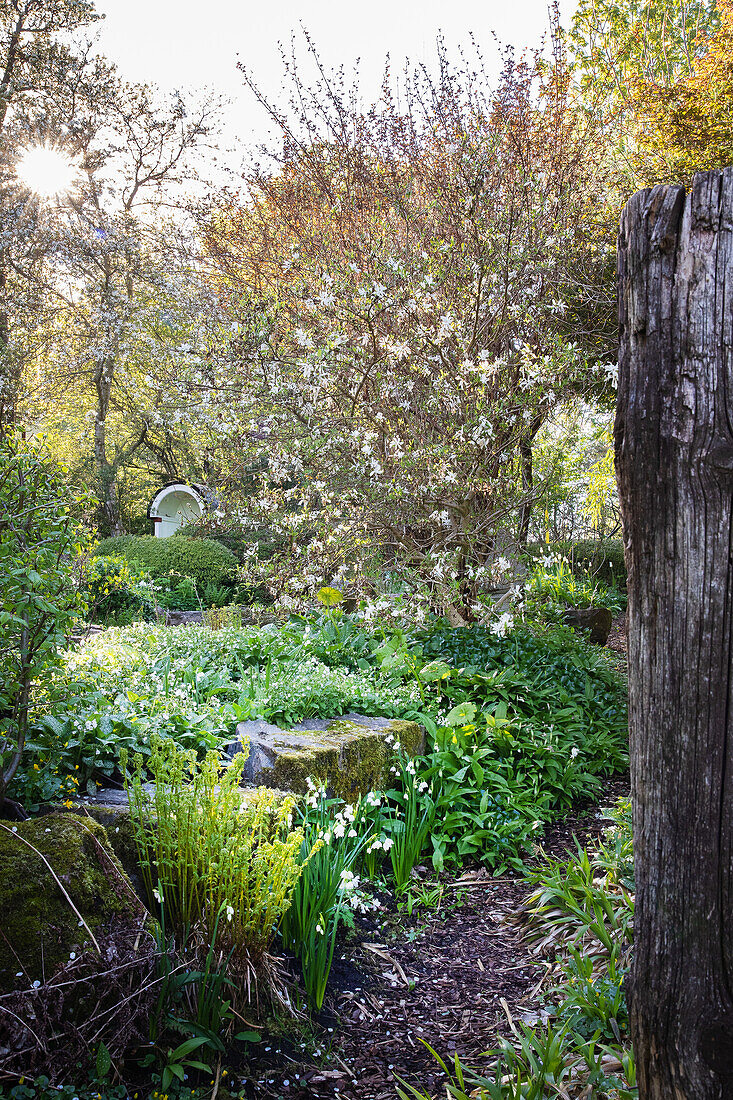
x=349, y=754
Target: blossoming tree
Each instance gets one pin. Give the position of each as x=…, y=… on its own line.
x=417, y=287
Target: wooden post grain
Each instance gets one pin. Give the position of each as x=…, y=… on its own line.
x=674, y=459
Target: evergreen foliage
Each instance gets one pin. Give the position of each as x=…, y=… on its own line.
x=205, y=560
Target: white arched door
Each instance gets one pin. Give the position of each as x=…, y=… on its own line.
x=173, y=506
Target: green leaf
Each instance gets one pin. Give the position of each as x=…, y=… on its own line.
x=436, y=670
x=187, y=1047
x=104, y=1062
x=462, y=715
x=248, y=1036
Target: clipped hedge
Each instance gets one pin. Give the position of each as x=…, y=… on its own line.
x=238, y=539
x=207, y=561
x=604, y=560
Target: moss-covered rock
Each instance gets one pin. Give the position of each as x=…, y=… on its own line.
x=40, y=929
x=350, y=755
x=114, y=817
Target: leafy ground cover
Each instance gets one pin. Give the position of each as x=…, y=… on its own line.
x=523, y=724
x=534, y=695
x=469, y=963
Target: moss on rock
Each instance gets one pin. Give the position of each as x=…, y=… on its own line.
x=40, y=928
x=349, y=757
x=117, y=824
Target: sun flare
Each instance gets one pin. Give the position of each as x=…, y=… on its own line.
x=46, y=171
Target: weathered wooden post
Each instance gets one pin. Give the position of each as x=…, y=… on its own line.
x=674, y=456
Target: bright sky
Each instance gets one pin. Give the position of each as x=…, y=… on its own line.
x=187, y=44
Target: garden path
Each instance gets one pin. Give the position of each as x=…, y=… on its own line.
x=447, y=977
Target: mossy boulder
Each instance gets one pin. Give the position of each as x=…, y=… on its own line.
x=111, y=810
x=40, y=928
x=350, y=755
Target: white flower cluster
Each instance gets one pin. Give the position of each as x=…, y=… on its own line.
x=500, y=568
x=611, y=372
x=349, y=882
x=315, y=793
x=344, y=822
x=380, y=844
x=503, y=625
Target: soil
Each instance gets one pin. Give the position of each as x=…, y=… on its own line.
x=617, y=640
x=446, y=976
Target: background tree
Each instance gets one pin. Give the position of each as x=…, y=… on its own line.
x=49, y=78
x=128, y=335
x=629, y=58
x=687, y=125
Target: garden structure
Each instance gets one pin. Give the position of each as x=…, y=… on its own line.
x=175, y=505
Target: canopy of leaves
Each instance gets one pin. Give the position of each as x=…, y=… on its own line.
x=687, y=126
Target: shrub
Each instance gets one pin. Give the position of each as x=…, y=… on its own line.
x=113, y=586
x=484, y=810
x=553, y=657
x=602, y=559
x=207, y=858
x=537, y=717
x=241, y=540
x=206, y=561
x=177, y=593
x=39, y=602
x=553, y=586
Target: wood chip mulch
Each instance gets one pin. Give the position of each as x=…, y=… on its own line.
x=446, y=977
x=617, y=640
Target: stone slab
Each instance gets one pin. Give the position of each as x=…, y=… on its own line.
x=597, y=620
x=349, y=753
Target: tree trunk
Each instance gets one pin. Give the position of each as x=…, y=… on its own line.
x=674, y=456
x=525, y=515
x=108, y=509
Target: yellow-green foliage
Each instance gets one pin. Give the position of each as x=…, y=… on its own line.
x=206, y=560
x=209, y=855
x=218, y=617
x=601, y=487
